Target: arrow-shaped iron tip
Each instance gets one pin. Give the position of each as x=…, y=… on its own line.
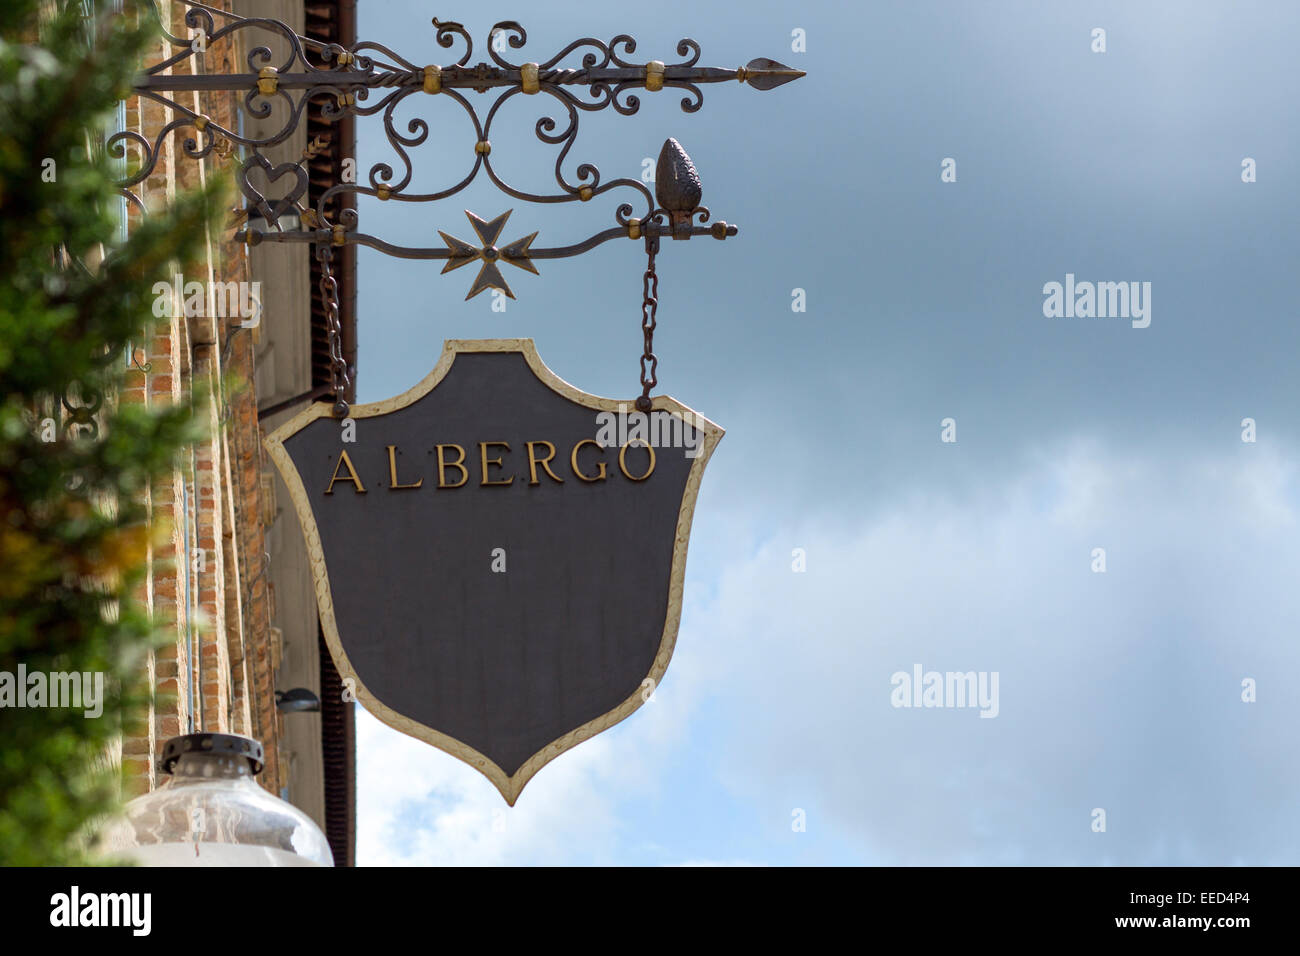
x=765, y=74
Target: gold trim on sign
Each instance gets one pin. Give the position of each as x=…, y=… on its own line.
x=509, y=786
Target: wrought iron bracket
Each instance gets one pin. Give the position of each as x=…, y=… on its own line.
x=352, y=76
x=367, y=79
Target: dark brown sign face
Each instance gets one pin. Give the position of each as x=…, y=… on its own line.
x=498, y=556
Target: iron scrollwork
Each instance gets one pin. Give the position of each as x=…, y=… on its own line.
x=368, y=79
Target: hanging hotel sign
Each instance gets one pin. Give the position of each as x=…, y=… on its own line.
x=498, y=556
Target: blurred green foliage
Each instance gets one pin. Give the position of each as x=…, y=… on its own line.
x=74, y=297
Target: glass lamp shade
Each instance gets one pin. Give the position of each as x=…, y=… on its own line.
x=210, y=812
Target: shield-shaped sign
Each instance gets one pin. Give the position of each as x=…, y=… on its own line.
x=498, y=556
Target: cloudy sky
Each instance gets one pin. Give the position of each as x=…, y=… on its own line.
x=1118, y=691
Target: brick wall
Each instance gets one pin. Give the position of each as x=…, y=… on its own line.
x=207, y=584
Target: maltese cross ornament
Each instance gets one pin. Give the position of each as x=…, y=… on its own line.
x=489, y=274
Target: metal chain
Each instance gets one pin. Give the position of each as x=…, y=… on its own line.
x=329, y=293
x=329, y=290
x=649, y=306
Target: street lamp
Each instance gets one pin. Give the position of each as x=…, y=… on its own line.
x=211, y=812
x=297, y=700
